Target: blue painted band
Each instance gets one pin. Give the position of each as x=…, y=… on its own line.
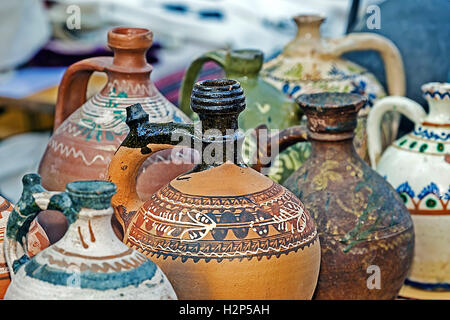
x=428, y=286
x=91, y=280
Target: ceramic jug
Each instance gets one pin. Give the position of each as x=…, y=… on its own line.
x=366, y=233
x=88, y=132
x=222, y=230
x=312, y=64
x=418, y=166
x=37, y=241
x=89, y=262
x=265, y=104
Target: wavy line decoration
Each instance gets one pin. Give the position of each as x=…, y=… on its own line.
x=71, y=151
x=428, y=134
x=437, y=94
x=141, y=246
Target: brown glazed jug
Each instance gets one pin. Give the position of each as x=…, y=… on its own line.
x=365, y=230
x=222, y=230
x=87, y=133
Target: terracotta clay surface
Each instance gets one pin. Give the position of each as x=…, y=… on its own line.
x=222, y=230
x=88, y=132
x=363, y=225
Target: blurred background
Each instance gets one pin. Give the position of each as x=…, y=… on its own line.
x=41, y=38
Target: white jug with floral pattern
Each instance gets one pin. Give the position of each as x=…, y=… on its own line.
x=418, y=166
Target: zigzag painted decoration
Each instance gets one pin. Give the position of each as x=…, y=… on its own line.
x=428, y=134
x=429, y=201
x=437, y=94
x=217, y=228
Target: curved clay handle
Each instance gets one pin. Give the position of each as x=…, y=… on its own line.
x=73, y=86
x=143, y=140
x=192, y=73
x=405, y=106
x=280, y=141
x=34, y=199
x=392, y=59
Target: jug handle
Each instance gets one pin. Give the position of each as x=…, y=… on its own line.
x=34, y=199
x=73, y=86
x=143, y=140
x=392, y=59
x=281, y=140
x=191, y=74
x=409, y=108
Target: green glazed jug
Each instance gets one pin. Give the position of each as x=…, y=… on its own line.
x=266, y=105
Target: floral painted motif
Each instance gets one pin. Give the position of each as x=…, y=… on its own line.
x=359, y=87
x=429, y=200
x=335, y=71
x=296, y=71
x=405, y=187
x=431, y=188
x=290, y=90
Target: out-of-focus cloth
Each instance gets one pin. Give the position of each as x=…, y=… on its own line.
x=24, y=29
x=170, y=85
x=187, y=28
x=19, y=155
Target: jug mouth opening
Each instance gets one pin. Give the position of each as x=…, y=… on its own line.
x=91, y=189
x=217, y=96
x=327, y=101
x=309, y=19
x=436, y=90
x=217, y=84
x=331, y=113
x=130, y=38
x=130, y=31
x=245, y=61
x=247, y=54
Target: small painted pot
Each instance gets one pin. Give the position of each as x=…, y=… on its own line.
x=418, y=166
x=36, y=241
x=313, y=64
x=89, y=262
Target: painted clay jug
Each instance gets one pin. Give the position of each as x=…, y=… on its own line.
x=89, y=262
x=363, y=225
x=418, y=166
x=222, y=230
x=312, y=64
x=265, y=104
x=37, y=241
x=88, y=132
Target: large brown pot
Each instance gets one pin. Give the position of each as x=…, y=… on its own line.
x=88, y=132
x=365, y=230
x=222, y=230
